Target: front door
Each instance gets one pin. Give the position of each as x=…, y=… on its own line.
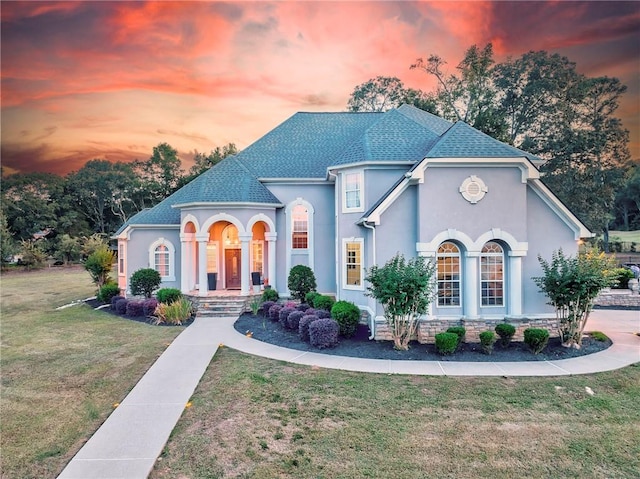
x=232, y=268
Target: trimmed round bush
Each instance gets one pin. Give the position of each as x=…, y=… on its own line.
x=301, y=280
x=303, y=327
x=149, y=306
x=266, y=306
x=293, y=321
x=108, y=291
x=458, y=331
x=347, y=315
x=144, y=282
x=135, y=309
x=506, y=332
x=323, y=333
x=274, y=312
x=168, y=295
x=446, y=343
x=270, y=295
x=115, y=300
x=121, y=306
x=487, y=338
x=323, y=302
x=536, y=339
x=284, y=315
x=322, y=313
x=302, y=307
x=310, y=297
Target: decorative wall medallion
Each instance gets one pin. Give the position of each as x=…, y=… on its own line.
x=473, y=189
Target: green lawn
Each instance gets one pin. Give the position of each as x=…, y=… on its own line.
x=626, y=236
x=258, y=418
x=62, y=371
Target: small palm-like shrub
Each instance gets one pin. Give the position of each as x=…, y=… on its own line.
x=266, y=306
x=270, y=294
x=168, y=295
x=274, y=312
x=506, y=332
x=99, y=264
x=149, y=306
x=458, y=331
x=301, y=281
x=114, y=301
x=293, y=321
x=323, y=333
x=446, y=343
x=303, y=326
x=144, y=282
x=487, y=338
x=135, y=309
x=347, y=315
x=536, y=339
x=174, y=313
x=284, y=315
x=108, y=291
x=323, y=302
x=121, y=306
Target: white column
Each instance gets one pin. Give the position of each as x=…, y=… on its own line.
x=245, y=263
x=514, y=300
x=271, y=248
x=203, y=286
x=185, y=261
x=470, y=286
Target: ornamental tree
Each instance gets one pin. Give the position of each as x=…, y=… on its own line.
x=99, y=265
x=301, y=281
x=405, y=290
x=571, y=284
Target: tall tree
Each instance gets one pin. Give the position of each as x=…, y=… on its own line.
x=160, y=175
x=384, y=93
x=628, y=201
x=203, y=162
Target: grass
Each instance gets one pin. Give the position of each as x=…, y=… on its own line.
x=626, y=236
x=62, y=371
x=258, y=418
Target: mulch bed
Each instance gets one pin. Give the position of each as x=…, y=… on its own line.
x=361, y=347
x=94, y=303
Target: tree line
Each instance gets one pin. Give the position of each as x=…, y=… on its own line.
x=539, y=103
x=46, y=215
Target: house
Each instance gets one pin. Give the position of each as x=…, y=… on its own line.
x=340, y=192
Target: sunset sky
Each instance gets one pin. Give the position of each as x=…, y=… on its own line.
x=84, y=80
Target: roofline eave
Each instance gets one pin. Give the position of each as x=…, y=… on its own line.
x=238, y=204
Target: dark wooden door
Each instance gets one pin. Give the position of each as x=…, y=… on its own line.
x=232, y=268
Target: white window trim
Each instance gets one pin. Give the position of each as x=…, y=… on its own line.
x=310, y=236
x=360, y=208
x=460, y=278
x=504, y=275
x=122, y=258
x=172, y=257
x=253, y=259
x=352, y=287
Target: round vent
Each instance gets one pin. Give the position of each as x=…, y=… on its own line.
x=473, y=189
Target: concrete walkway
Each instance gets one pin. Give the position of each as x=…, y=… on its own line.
x=133, y=436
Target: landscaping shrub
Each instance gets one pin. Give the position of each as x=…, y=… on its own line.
x=322, y=313
x=458, y=331
x=135, y=309
x=620, y=277
x=293, y=321
x=487, y=338
x=446, y=343
x=149, y=306
x=347, y=315
x=168, y=295
x=274, y=312
x=290, y=304
x=270, y=294
x=284, y=315
x=302, y=307
x=303, y=327
x=323, y=302
x=108, y=291
x=506, y=332
x=174, y=313
x=255, y=305
x=599, y=336
x=301, y=281
x=323, y=333
x=310, y=297
x=115, y=300
x=144, y=282
x=99, y=264
x=266, y=306
x=121, y=306
x=536, y=339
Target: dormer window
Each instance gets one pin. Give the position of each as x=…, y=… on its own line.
x=352, y=200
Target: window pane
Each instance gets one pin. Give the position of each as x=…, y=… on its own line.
x=162, y=260
x=352, y=190
x=212, y=258
x=299, y=227
x=257, y=256
x=492, y=274
x=448, y=261
x=353, y=264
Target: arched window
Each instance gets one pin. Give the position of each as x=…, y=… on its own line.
x=300, y=227
x=448, y=260
x=161, y=263
x=162, y=258
x=492, y=274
